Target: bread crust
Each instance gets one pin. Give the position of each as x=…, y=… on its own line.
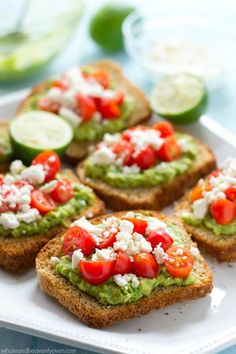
x=4, y=124
x=18, y=255
x=141, y=113
x=96, y=315
x=157, y=197
x=222, y=247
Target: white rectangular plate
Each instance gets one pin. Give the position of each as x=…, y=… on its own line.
x=202, y=326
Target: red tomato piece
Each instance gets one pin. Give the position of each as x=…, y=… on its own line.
x=48, y=105
x=139, y=225
x=86, y=106
x=162, y=237
x=179, y=262
x=196, y=193
x=109, y=237
x=96, y=272
x=231, y=193
x=102, y=77
x=51, y=163
x=214, y=174
x=124, y=149
x=170, y=150
x=63, y=191
x=122, y=263
x=146, y=158
x=109, y=109
x=119, y=98
x=165, y=129
x=223, y=211
x=144, y=265
x=77, y=238
x=42, y=201
x=62, y=85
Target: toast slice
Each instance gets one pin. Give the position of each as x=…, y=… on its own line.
x=153, y=198
x=141, y=113
x=4, y=124
x=18, y=255
x=221, y=247
x=94, y=314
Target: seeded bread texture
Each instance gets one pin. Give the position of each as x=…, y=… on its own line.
x=4, y=124
x=141, y=113
x=18, y=255
x=96, y=315
x=221, y=247
x=154, y=198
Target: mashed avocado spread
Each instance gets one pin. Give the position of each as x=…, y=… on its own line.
x=6, y=151
x=109, y=293
x=209, y=223
x=83, y=197
x=163, y=172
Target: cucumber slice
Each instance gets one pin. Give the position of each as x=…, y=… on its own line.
x=180, y=98
x=35, y=131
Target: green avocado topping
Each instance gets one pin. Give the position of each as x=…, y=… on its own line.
x=109, y=293
x=6, y=151
x=209, y=223
x=163, y=172
x=83, y=197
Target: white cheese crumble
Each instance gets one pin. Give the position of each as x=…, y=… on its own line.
x=34, y=174
x=48, y=187
x=130, y=170
x=159, y=254
x=9, y=221
x=194, y=251
x=105, y=254
x=77, y=256
x=229, y=167
x=200, y=208
x=111, y=139
x=90, y=228
x=131, y=244
x=155, y=224
x=28, y=216
x=70, y=116
x=123, y=280
x=54, y=260
x=16, y=167
x=126, y=226
x=141, y=138
x=103, y=156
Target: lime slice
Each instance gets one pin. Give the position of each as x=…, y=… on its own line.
x=36, y=131
x=180, y=98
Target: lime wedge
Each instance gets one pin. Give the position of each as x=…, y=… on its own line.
x=36, y=131
x=181, y=98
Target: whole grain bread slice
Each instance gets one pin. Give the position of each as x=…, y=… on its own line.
x=141, y=113
x=94, y=314
x=153, y=198
x=221, y=247
x=18, y=255
x=4, y=124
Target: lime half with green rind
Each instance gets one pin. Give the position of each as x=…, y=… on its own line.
x=37, y=131
x=180, y=98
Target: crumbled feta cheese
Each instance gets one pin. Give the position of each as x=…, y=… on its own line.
x=130, y=214
x=90, y=228
x=28, y=216
x=8, y=179
x=123, y=280
x=141, y=138
x=194, y=251
x=16, y=167
x=155, y=224
x=129, y=170
x=200, y=208
x=77, y=256
x=159, y=254
x=183, y=143
x=111, y=139
x=34, y=174
x=179, y=251
x=131, y=244
x=9, y=221
x=70, y=116
x=126, y=226
x=54, y=260
x=111, y=221
x=103, y=156
x=105, y=254
x=229, y=167
x=55, y=94
x=49, y=187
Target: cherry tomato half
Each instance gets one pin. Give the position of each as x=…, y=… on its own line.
x=146, y=158
x=120, y=96
x=165, y=129
x=179, y=262
x=139, y=225
x=196, y=193
x=109, y=109
x=51, y=163
x=63, y=191
x=162, y=237
x=109, y=237
x=170, y=150
x=42, y=201
x=231, y=193
x=96, y=272
x=45, y=104
x=60, y=84
x=144, y=265
x=77, y=238
x=86, y=106
x=102, y=77
x=223, y=211
x=122, y=263
x=124, y=149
